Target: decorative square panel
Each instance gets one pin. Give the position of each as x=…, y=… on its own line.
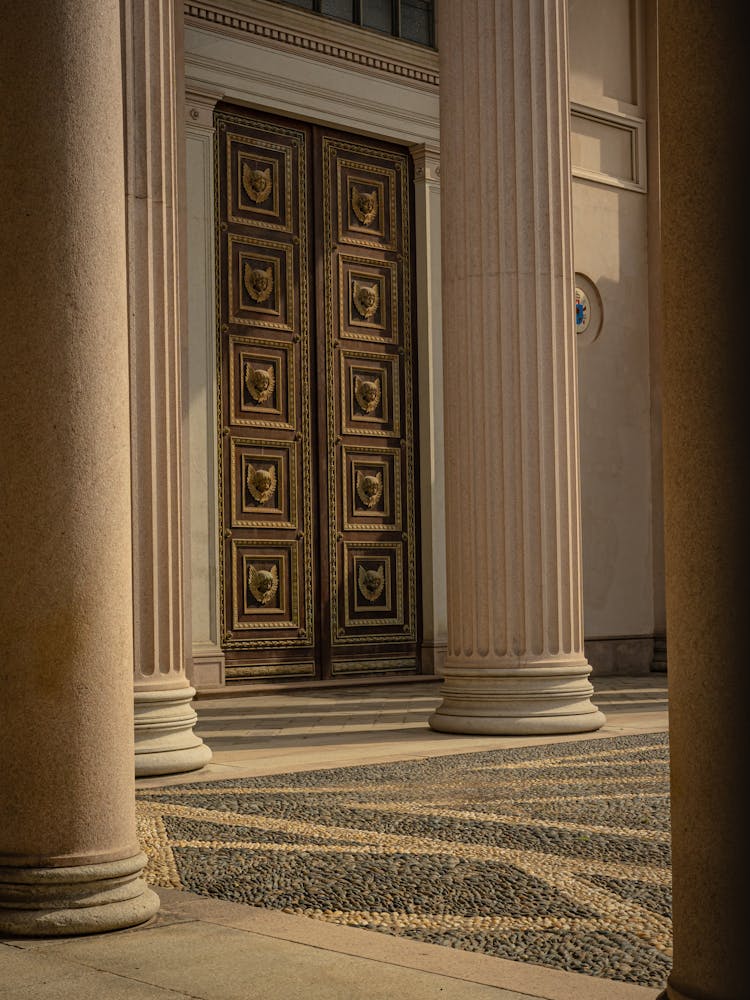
x=369, y=394
x=373, y=584
x=264, y=484
x=264, y=585
x=368, y=299
x=366, y=204
x=260, y=285
x=372, y=488
x=259, y=181
x=261, y=383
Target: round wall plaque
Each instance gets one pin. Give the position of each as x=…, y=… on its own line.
x=588, y=309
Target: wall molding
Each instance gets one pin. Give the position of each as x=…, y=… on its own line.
x=633, y=178
x=292, y=28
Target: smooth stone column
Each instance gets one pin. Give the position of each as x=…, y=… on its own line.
x=515, y=662
x=165, y=742
x=703, y=83
x=70, y=862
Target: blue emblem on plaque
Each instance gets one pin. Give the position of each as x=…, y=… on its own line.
x=583, y=310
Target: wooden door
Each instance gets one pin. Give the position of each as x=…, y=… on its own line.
x=366, y=283
x=315, y=373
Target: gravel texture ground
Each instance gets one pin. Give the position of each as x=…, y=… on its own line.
x=556, y=855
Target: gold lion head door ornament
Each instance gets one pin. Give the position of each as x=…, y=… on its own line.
x=257, y=183
x=260, y=382
x=261, y=483
x=365, y=205
x=258, y=282
x=263, y=583
x=371, y=582
x=366, y=299
x=367, y=393
x=369, y=488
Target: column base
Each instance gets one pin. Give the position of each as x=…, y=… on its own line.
x=673, y=993
x=670, y=993
x=85, y=899
x=538, y=699
x=164, y=739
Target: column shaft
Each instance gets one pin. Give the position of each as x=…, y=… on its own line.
x=69, y=856
x=164, y=718
x=515, y=659
x=702, y=95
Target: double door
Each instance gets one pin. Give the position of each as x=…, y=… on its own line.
x=317, y=488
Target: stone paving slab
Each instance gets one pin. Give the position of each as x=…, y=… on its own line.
x=204, y=961
x=29, y=975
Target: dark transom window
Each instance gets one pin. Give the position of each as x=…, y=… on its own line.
x=412, y=20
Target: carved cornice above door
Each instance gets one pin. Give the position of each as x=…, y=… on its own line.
x=286, y=27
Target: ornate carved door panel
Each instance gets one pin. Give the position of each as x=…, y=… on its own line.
x=369, y=406
x=316, y=464
x=265, y=473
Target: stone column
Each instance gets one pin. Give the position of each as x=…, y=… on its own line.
x=703, y=83
x=430, y=353
x=165, y=742
x=515, y=662
x=70, y=861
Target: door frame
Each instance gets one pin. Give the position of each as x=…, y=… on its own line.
x=224, y=62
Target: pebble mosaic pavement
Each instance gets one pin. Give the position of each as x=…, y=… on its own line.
x=556, y=855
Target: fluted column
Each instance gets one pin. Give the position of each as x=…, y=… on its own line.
x=430, y=352
x=208, y=660
x=515, y=662
x=703, y=83
x=70, y=861
x=165, y=742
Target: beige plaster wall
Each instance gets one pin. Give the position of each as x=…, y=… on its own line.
x=610, y=247
x=610, y=241
x=603, y=47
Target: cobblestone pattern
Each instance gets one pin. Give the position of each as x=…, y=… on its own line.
x=556, y=855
